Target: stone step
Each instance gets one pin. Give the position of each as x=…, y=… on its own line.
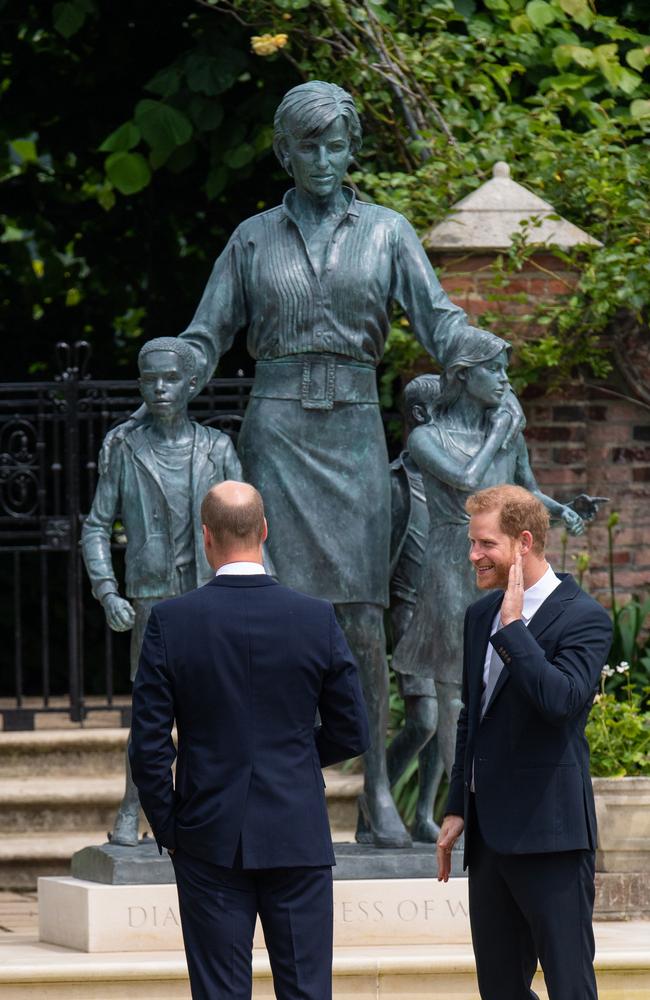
x=53, y=804
x=90, y=752
x=78, y=802
x=30, y=971
x=44, y=820
x=25, y=857
x=98, y=755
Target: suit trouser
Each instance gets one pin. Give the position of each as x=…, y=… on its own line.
x=218, y=908
x=528, y=906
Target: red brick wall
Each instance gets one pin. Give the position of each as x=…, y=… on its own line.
x=469, y=280
x=589, y=442
x=580, y=441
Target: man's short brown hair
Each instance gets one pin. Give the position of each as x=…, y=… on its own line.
x=518, y=510
x=234, y=522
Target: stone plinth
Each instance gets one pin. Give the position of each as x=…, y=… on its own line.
x=363, y=861
x=112, y=864
x=623, y=813
x=92, y=917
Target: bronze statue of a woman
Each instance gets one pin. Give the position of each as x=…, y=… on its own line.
x=312, y=282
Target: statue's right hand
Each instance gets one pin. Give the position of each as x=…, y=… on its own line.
x=119, y=613
x=501, y=420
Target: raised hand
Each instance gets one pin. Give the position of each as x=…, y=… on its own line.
x=513, y=599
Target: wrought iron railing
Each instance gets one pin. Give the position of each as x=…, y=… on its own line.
x=56, y=653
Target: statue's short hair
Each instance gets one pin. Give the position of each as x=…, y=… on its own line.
x=309, y=109
x=519, y=510
x=424, y=390
x=174, y=344
x=234, y=521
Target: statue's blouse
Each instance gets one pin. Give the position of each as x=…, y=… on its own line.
x=264, y=282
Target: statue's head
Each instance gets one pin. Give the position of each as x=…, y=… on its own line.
x=167, y=375
x=309, y=115
x=475, y=364
x=421, y=396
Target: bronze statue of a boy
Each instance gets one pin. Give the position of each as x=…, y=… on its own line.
x=154, y=479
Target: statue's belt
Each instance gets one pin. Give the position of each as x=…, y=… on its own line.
x=318, y=382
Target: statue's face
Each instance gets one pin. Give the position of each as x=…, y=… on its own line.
x=165, y=386
x=488, y=382
x=319, y=163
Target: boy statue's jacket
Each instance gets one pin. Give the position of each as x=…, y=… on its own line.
x=130, y=488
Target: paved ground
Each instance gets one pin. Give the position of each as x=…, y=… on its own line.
x=18, y=913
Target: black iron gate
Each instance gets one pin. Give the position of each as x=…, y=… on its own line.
x=56, y=653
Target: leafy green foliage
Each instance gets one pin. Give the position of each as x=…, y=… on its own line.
x=148, y=138
x=125, y=163
x=555, y=88
x=619, y=737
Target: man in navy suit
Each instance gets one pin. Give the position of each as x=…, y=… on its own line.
x=243, y=664
x=520, y=786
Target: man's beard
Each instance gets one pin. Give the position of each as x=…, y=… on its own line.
x=497, y=577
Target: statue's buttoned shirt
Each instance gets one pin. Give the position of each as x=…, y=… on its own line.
x=266, y=283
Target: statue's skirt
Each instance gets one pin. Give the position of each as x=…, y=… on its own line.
x=324, y=478
x=432, y=645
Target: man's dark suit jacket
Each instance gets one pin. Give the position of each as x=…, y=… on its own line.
x=242, y=664
x=533, y=792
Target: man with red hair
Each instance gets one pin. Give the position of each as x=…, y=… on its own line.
x=534, y=648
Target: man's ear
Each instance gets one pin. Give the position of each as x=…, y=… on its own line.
x=265, y=533
x=207, y=537
x=525, y=542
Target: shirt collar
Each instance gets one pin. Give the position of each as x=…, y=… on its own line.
x=240, y=569
x=352, y=210
x=535, y=596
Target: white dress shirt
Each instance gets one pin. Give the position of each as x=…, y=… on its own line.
x=240, y=569
x=534, y=597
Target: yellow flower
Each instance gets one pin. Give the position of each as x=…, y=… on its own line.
x=268, y=45
x=38, y=268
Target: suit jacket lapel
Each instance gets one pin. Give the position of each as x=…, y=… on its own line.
x=480, y=639
x=553, y=605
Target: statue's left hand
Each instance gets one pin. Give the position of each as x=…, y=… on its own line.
x=573, y=522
